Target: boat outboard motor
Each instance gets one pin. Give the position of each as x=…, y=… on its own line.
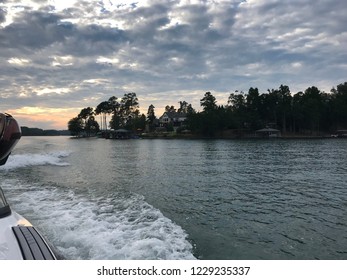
x=10, y=134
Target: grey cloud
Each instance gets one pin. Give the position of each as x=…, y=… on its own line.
x=2, y=15
x=214, y=47
x=33, y=30
x=192, y=41
x=94, y=40
x=38, y=30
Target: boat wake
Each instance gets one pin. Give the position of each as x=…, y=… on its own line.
x=116, y=226
x=25, y=160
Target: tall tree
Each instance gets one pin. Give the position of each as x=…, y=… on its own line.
x=183, y=107
x=277, y=106
x=103, y=109
x=151, y=115
x=114, y=106
x=129, y=109
x=298, y=117
x=92, y=126
x=236, y=101
x=208, y=102
x=237, y=106
x=339, y=106
x=190, y=109
x=285, y=99
x=85, y=114
x=170, y=109
x=312, y=103
x=75, y=126
x=253, y=105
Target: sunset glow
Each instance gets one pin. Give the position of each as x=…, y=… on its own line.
x=56, y=118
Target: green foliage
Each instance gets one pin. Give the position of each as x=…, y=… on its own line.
x=86, y=113
x=75, y=126
x=151, y=114
x=103, y=109
x=170, y=109
x=169, y=127
x=208, y=102
x=92, y=126
x=339, y=106
x=151, y=117
x=308, y=112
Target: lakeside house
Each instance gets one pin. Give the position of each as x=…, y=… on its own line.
x=172, y=118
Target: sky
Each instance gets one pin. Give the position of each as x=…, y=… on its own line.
x=58, y=57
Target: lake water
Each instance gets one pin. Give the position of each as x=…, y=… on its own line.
x=183, y=199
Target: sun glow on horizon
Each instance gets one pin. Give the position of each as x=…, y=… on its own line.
x=43, y=117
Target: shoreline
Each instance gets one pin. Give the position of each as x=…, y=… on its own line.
x=197, y=137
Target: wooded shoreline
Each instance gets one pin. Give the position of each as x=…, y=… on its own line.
x=278, y=113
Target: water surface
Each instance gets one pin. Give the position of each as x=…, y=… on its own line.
x=183, y=199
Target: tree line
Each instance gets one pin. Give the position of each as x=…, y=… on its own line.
x=124, y=114
x=33, y=131
x=309, y=112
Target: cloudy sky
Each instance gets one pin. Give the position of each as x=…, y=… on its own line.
x=58, y=57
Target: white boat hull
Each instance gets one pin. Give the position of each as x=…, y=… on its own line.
x=19, y=240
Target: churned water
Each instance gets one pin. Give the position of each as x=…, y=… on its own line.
x=183, y=199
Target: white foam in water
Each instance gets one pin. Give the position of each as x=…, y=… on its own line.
x=24, y=160
x=102, y=228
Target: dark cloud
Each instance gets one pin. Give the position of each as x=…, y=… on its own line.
x=33, y=30
x=38, y=30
